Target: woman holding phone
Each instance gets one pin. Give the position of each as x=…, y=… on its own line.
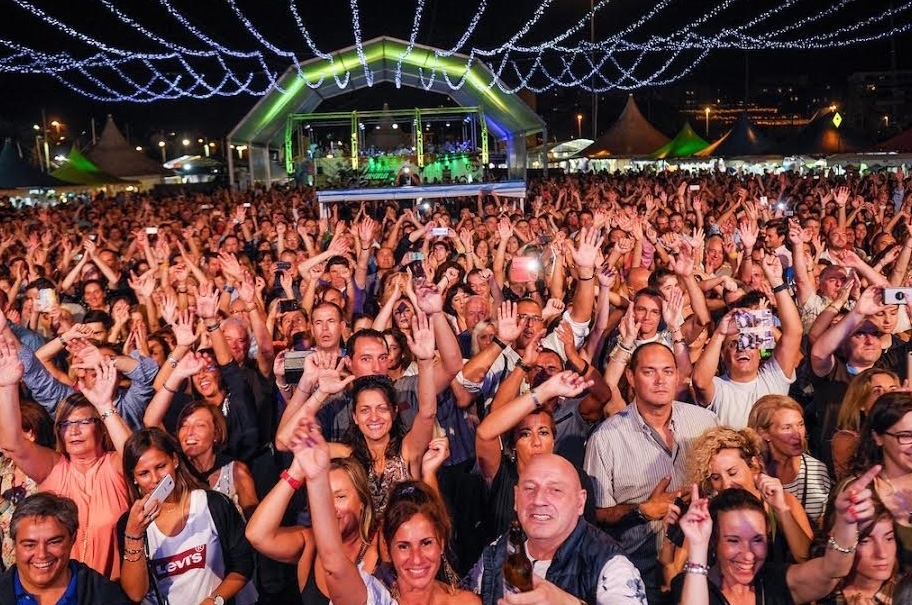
x=181, y=543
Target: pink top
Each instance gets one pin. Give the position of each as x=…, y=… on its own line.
x=103, y=491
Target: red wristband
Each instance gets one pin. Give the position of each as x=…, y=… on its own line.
x=294, y=483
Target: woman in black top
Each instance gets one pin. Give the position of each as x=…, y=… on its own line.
x=727, y=541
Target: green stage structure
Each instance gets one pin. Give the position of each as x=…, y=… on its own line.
x=270, y=124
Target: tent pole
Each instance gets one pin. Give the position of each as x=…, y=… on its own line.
x=250, y=163
x=230, y=155
x=268, y=169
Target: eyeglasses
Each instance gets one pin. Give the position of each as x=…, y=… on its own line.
x=64, y=425
x=529, y=318
x=904, y=438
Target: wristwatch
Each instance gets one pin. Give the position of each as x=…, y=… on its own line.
x=218, y=599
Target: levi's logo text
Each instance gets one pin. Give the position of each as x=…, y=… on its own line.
x=175, y=565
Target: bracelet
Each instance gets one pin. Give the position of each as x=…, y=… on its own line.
x=132, y=537
x=135, y=559
x=697, y=568
x=623, y=347
x=780, y=288
x=535, y=399
x=680, y=341
x=832, y=544
x=182, y=289
x=499, y=342
x=108, y=413
x=134, y=551
x=214, y=327
x=523, y=366
x=62, y=341
x=169, y=389
x=590, y=278
x=294, y=483
x=172, y=360
x=284, y=387
x=834, y=307
x=584, y=371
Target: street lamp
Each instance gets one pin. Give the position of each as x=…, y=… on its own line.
x=579, y=125
x=186, y=142
x=886, y=122
x=707, y=122
x=56, y=125
x=161, y=145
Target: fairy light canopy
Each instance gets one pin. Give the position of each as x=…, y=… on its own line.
x=508, y=117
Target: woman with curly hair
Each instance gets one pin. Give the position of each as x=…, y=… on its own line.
x=723, y=458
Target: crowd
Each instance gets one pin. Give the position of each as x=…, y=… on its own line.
x=653, y=388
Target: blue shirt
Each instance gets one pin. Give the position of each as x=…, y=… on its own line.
x=25, y=598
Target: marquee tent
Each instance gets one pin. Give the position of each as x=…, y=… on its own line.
x=685, y=144
x=16, y=173
x=827, y=134
x=630, y=136
x=79, y=170
x=114, y=155
x=742, y=140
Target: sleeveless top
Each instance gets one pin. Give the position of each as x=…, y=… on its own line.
x=395, y=471
x=311, y=595
x=225, y=485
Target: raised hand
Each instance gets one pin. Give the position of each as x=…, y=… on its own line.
x=101, y=393
x=190, y=365
x=421, y=340
x=553, y=308
x=855, y=504
x=11, y=369
x=311, y=452
x=437, y=452
x=748, y=232
x=606, y=276
x=629, y=327
x=842, y=196
x=564, y=384
x=772, y=493
x=430, y=300
x=586, y=250
x=230, y=266
x=183, y=327
x=508, y=325
x=207, y=301
x=772, y=267
x=696, y=522
x=504, y=229
x=673, y=307
x=870, y=302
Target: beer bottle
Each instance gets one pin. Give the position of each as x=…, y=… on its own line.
x=517, y=568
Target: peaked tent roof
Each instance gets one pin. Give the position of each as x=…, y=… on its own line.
x=823, y=137
x=742, y=140
x=387, y=60
x=114, y=155
x=901, y=142
x=16, y=173
x=685, y=144
x=79, y=170
x=631, y=135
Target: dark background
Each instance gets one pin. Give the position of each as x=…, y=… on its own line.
x=721, y=75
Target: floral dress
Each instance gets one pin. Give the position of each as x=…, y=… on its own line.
x=11, y=494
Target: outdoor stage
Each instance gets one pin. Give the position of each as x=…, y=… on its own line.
x=514, y=189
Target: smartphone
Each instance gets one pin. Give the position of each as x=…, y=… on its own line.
x=294, y=365
x=440, y=231
x=287, y=306
x=675, y=534
x=151, y=230
x=246, y=204
x=524, y=269
x=47, y=298
x=764, y=200
x=694, y=187
x=897, y=296
x=282, y=265
x=755, y=329
x=93, y=237
x=161, y=491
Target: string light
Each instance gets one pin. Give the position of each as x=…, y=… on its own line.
x=617, y=61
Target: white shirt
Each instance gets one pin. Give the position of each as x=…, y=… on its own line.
x=732, y=401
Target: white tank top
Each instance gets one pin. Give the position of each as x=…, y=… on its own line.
x=189, y=567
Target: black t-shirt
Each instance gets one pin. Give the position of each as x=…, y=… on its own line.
x=770, y=586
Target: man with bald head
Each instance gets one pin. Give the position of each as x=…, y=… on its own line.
x=572, y=561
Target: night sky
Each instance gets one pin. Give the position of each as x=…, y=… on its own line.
x=443, y=22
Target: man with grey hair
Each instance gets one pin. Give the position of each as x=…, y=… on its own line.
x=43, y=529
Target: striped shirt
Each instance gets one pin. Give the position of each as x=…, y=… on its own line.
x=626, y=459
x=811, y=487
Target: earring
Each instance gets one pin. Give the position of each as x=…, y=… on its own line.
x=450, y=574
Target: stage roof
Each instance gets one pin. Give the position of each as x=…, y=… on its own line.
x=506, y=114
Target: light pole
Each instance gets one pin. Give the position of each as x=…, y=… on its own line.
x=161, y=145
x=579, y=125
x=707, y=122
x=886, y=122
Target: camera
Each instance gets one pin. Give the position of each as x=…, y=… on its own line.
x=675, y=534
x=294, y=365
x=287, y=306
